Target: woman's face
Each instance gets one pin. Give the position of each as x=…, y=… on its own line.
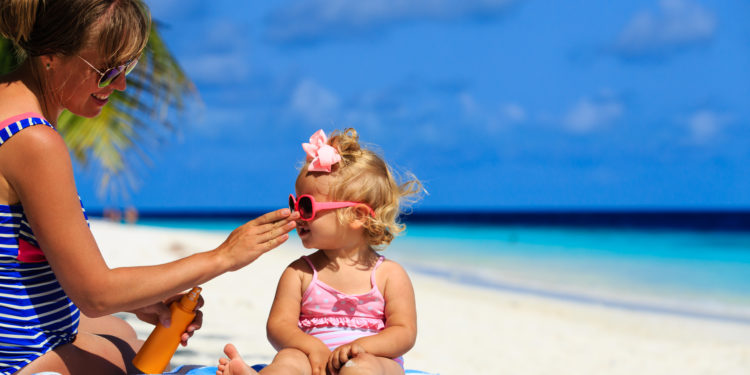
x=75, y=84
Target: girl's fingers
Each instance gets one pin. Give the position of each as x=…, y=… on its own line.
x=343, y=357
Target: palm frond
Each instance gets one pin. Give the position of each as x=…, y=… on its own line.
x=134, y=123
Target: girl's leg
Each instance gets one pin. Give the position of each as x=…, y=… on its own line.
x=104, y=345
x=289, y=361
x=286, y=362
x=233, y=364
x=369, y=364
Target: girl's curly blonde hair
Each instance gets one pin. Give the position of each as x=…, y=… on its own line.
x=363, y=176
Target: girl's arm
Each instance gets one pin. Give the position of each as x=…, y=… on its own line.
x=37, y=165
x=282, y=327
x=400, y=331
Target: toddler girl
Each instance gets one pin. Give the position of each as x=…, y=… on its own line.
x=344, y=308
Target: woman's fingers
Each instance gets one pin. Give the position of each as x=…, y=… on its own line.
x=275, y=216
x=252, y=239
x=278, y=232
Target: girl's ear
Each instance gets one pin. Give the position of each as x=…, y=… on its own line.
x=361, y=212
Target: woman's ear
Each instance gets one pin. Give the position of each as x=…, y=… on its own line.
x=48, y=61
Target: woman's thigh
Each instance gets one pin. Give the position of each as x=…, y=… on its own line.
x=88, y=354
x=109, y=325
x=103, y=345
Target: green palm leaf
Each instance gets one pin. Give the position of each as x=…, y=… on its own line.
x=134, y=122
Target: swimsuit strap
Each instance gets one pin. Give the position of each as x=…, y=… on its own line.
x=315, y=272
x=372, y=276
x=15, y=124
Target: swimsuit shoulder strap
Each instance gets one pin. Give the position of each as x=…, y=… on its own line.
x=15, y=124
x=315, y=272
x=372, y=276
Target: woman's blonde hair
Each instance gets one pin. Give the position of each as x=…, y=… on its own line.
x=119, y=29
x=363, y=176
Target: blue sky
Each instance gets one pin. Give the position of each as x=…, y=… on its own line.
x=493, y=104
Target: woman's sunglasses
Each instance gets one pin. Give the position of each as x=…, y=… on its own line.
x=307, y=206
x=111, y=74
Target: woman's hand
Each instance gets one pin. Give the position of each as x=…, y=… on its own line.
x=342, y=354
x=251, y=240
x=318, y=359
x=160, y=313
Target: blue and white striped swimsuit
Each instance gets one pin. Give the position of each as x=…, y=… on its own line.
x=35, y=313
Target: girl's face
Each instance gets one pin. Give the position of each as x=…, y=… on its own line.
x=324, y=232
x=75, y=84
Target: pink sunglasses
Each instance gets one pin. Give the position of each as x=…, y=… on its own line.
x=307, y=206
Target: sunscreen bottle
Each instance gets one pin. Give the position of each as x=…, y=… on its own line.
x=161, y=345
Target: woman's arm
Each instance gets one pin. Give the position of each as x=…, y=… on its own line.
x=37, y=165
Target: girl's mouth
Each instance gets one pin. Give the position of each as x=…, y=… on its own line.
x=302, y=231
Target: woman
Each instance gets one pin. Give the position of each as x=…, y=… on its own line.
x=56, y=291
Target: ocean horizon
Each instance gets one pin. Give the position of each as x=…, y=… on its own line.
x=688, y=263
x=720, y=219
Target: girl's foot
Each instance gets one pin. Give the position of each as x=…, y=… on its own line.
x=233, y=364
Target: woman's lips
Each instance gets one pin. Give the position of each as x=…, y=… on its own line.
x=100, y=99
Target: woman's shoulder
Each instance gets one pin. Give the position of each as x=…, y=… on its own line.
x=39, y=141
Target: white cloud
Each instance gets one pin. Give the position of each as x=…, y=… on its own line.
x=677, y=23
x=513, y=112
x=314, y=102
x=213, y=68
x=588, y=115
x=468, y=104
x=705, y=125
x=306, y=20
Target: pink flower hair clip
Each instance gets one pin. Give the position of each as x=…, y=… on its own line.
x=322, y=155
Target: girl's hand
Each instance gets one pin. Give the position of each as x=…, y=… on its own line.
x=252, y=239
x=342, y=354
x=160, y=313
x=318, y=359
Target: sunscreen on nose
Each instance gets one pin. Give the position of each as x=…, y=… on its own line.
x=162, y=343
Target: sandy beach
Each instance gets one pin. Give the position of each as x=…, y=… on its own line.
x=463, y=329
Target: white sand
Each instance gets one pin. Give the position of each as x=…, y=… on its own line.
x=462, y=329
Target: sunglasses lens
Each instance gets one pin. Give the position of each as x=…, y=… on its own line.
x=109, y=76
x=305, y=207
x=130, y=66
x=291, y=203
x=112, y=74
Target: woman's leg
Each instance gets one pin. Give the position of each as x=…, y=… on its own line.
x=104, y=345
x=371, y=365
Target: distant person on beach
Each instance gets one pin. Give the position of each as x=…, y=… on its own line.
x=345, y=307
x=56, y=291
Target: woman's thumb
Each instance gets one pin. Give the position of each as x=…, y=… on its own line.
x=164, y=314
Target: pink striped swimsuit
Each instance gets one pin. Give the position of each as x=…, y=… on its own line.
x=337, y=318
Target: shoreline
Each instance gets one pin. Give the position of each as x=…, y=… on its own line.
x=462, y=328
x=642, y=304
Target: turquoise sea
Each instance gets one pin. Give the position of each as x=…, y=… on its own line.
x=672, y=271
